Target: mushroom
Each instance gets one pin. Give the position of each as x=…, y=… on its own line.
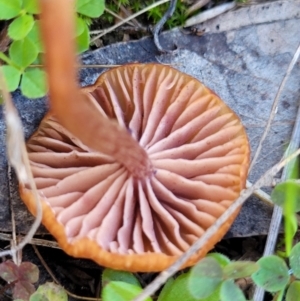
x=97, y=208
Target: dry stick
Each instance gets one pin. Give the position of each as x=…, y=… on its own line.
x=105, y=31
x=132, y=29
x=34, y=241
x=127, y=13
x=196, y=6
x=263, y=196
x=55, y=279
x=17, y=257
x=209, y=14
x=274, y=107
x=117, y=16
x=18, y=159
x=163, y=276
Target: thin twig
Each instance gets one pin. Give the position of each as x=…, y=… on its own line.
x=96, y=31
x=274, y=107
x=126, y=29
x=117, y=16
x=12, y=214
x=196, y=6
x=18, y=159
x=266, y=198
x=263, y=196
x=162, y=277
x=105, y=31
x=209, y=14
x=127, y=13
x=34, y=241
x=79, y=66
x=156, y=29
x=56, y=280
x=45, y=265
x=133, y=30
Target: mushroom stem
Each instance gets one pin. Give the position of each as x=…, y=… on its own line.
x=71, y=107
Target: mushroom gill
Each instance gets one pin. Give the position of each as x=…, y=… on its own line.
x=97, y=209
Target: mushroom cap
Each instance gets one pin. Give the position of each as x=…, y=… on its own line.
x=96, y=209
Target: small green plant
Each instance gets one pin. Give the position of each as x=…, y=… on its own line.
x=26, y=46
x=213, y=279
x=120, y=286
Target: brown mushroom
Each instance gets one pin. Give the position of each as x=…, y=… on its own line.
x=97, y=209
